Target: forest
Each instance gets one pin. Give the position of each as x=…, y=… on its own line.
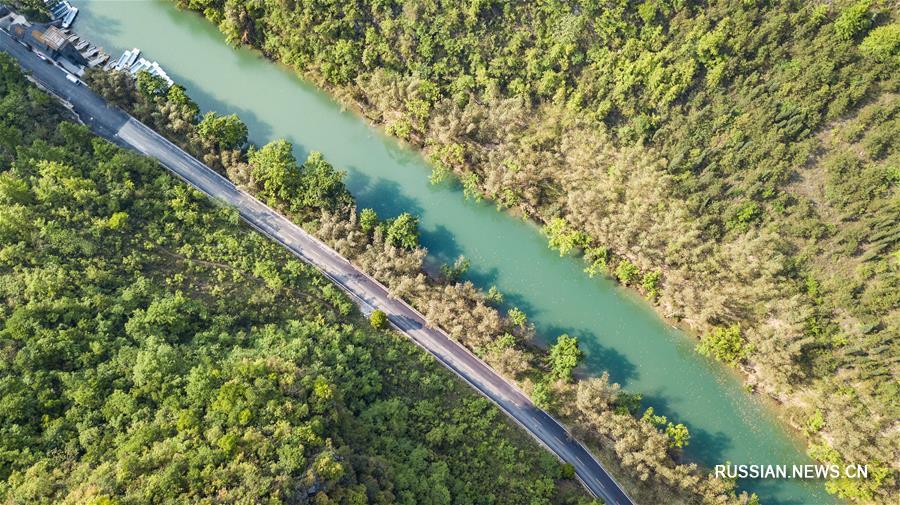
x=643, y=450
x=156, y=350
x=736, y=162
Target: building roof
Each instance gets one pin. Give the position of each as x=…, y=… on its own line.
x=52, y=37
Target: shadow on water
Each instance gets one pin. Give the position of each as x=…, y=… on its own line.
x=385, y=196
x=596, y=355
x=108, y=24
x=261, y=132
x=441, y=244
x=485, y=278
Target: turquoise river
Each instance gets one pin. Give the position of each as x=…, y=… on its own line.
x=618, y=330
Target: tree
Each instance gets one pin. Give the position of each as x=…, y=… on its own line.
x=562, y=237
x=151, y=86
x=517, y=316
x=626, y=272
x=679, y=436
x=883, y=43
x=853, y=20
x=454, y=272
x=403, y=231
x=378, y=319
x=650, y=285
x=564, y=357
x=228, y=132
x=178, y=96
x=322, y=185
x=724, y=344
x=542, y=395
x=368, y=220
x=273, y=169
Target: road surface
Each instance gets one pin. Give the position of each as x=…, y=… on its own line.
x=369, y=294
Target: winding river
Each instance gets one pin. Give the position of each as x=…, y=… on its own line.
x=619, y=332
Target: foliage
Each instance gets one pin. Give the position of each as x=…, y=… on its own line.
x=458, y=308
x=151, y=85
x=274, y=171
x=725, y=344
x=403, y=231
x=816, y=422
x=542, y=395
x=626, y=272
x=155, y=349
x=735, y=147
x=883, y=43
x=650, y=285
x=678, y=434
x=562, y=237
x=564, y=357
x=227, y=131
x=378, y=319
x=368, y=220
x=454, y=272
x=517, y=317
x=853, y=20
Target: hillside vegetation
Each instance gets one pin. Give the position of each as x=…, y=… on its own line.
x=155, y=350
x=641, y=449
x=737, y=162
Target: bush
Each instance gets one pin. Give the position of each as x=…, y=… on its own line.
x=883, y=43
x=853, y=20
x=626, y=272
x=725, y=344
x=378, y=319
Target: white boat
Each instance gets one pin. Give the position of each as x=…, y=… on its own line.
x=70, y=17
x=132, y=58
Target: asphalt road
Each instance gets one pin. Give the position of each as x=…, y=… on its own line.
x=368, y=293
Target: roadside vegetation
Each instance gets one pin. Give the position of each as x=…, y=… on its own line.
x=734, y=161
x=638, y=451
x=156, y=350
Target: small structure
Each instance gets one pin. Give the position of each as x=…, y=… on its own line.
x=47, y=38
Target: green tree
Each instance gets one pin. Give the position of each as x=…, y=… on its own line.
x=178, y=96
x=322, y=185
x=542, y=395
x=228, y=132
x=564, y=357
x=883, y=43
x=562, y=237
x=678, y=434
x=650, y=285
x=368, y=220
x=151, y=86
x=626, y=272
x=725, y=344
x=378, y=319
x=454, y=272
x=403, y=231
x=853, y=20
x=518, y=317
x=274, y=170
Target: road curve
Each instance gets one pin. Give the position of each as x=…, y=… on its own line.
x=368, y=293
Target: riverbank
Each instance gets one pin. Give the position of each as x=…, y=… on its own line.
x=631, y=137
x=616, y=334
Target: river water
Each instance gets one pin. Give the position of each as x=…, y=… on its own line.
x=618, y=331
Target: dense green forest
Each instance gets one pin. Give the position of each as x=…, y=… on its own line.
x=642, y=449
x=155, y=350
x=737, y=162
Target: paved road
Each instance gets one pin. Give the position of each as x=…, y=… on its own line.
x=369, y=294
